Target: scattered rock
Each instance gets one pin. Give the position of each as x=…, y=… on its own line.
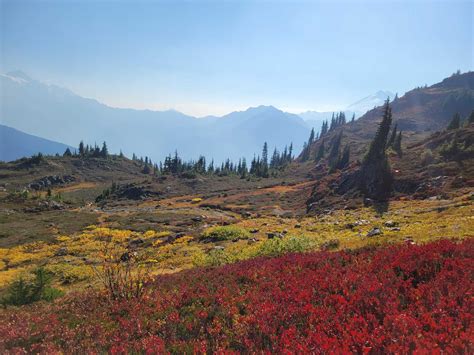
x=218, y=247
x=374, y=231
x=254, y=230
x=196, y=219
x=50, y=181
x=395, y=229
x=297, y=225
x=390, y=224
x=252, y=241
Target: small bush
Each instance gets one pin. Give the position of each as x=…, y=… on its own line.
x=225, y=233
x=123, y=274
x=427, y=158
x=290, y=244
x=23, y=292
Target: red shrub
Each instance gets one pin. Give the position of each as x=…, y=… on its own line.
x=397, y=299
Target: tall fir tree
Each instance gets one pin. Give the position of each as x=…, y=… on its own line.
x=455, y=122
x=375, y=176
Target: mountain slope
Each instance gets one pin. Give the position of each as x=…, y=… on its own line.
x=15, y=144
x=58, y=114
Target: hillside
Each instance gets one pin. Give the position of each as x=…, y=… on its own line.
x=15, y=144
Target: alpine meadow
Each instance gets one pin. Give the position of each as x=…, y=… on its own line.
x=238, y=177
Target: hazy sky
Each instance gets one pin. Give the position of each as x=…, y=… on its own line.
x=214, y=57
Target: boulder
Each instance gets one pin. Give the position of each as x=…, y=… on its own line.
x=374, y=232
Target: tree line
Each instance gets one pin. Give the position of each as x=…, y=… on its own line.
x=260, y=166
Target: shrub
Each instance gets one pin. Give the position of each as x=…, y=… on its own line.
x=22, y=292
x=427, y=158
x=219, y=233
x=122, y=273
x=401, y=299
x=290, y=244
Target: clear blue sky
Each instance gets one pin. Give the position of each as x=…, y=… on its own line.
x=214, y=57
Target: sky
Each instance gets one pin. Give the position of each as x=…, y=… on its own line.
x=214, y=57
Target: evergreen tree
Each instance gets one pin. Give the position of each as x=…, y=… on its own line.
x=265, y=155
x=397, y=144
x=311, y=137
x=324, y=129
x=375, y=177
x=344, y=159
x=334, y=150
x=353, y=118
x=455, y=122
x=470, y=119
x=67, y=153
x=320, y=152
x=81, y=148
x=393, y=136
x=290, y=152
x=305, y=152
x=146, y=168
x=104, y=152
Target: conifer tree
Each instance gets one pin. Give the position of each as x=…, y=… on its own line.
x=67, y=153
x=320, y=152
x=470, y=119
x=393, y=136
x=290, y=152
x=311, y=137
x=104, y=152
x=344, y=159
x=455, y=122
x=334, y=151
x=375, y=177
x=397, y=144
x=81, y=148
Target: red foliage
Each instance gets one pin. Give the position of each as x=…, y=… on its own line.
x=399, y=299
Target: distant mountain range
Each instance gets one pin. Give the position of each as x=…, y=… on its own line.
x=58, y=114
x=15, y=144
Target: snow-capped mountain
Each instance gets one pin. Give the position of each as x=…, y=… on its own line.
x=368, y=103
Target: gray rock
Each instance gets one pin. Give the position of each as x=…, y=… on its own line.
x=390, y=224
x=374, y=232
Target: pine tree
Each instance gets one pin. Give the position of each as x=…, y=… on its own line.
x=455, y=122
x=67, y=153
x=344, y=159
x=375, y=177
x=334, y=151
x=353, y=118
x=265, y=154
x=104, y=152
x=324, y=129
x=393, y=136
x=311, y=137
x=290, y=152
x=397, y=144
x=320, y=152
x=81, y=148
x=470, y=119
